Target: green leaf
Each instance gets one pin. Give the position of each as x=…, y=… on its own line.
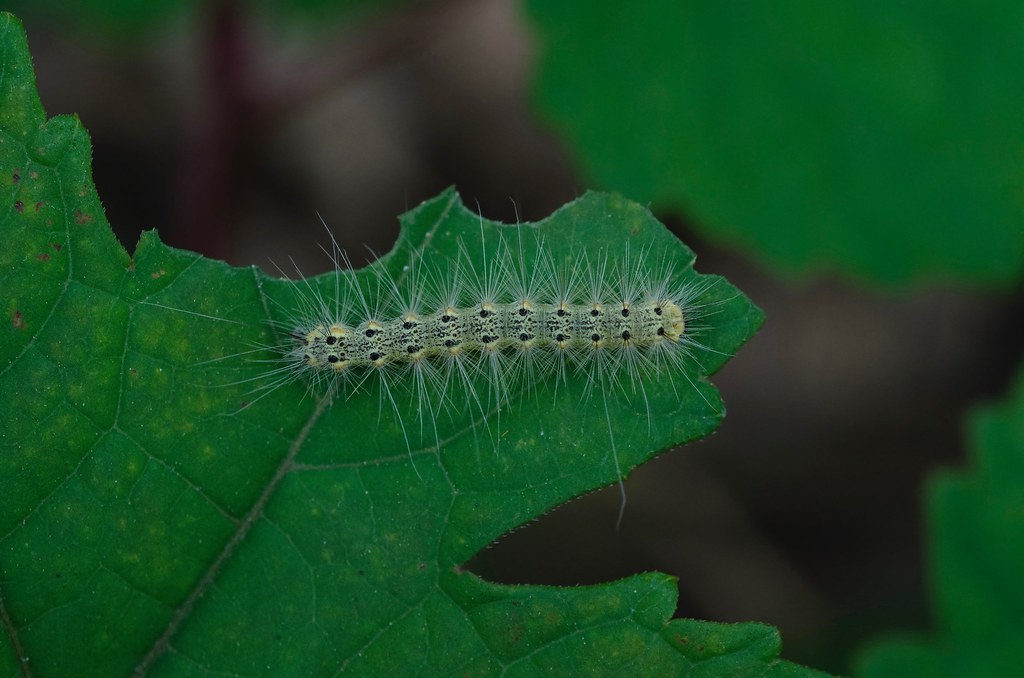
x=976, y=560
x=160, y=513
x=878, y=139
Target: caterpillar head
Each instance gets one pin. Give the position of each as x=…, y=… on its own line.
x=672, y=321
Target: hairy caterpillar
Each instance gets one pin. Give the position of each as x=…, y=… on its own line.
x=496, y=323
x=588, y=334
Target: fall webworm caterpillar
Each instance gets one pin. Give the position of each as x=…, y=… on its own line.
x=453, y=362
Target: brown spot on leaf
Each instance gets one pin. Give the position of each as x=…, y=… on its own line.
x=57, y=246
x=43, y=256
x=156, y=275
x=17, y=322
x=33, y=174
x=39, y=205
x=16, y=176
x=19, y=206
x=132, y=371
x=81, y=218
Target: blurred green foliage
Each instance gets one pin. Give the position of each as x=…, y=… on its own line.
x=976, y=560
x=879, y=139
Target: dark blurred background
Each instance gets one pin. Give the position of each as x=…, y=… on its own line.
x=228, y=127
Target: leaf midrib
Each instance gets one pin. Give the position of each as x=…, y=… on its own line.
x=243, y=526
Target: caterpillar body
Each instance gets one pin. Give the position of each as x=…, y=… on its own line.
x=523, y=325
x=542, y=320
